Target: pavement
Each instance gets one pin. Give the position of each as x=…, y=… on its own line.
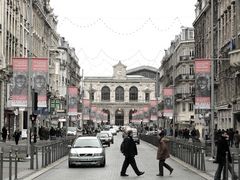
x=24, y=171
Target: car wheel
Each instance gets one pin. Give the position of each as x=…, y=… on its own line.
x=103, y=164
x=70, y=165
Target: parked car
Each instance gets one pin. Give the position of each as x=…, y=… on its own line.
x=86, y=150
x=136, y=137
x=104, y=138
x=71, y=131
x=110, y=134
x=113, y=131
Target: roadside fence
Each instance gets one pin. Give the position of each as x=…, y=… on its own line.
x=41, y=155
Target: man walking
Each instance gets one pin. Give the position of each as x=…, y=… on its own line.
x=129, y=149
x=162, y=155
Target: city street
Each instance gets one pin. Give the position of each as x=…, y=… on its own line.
x=146, y=161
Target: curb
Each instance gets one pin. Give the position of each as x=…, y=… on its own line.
x=39, y=172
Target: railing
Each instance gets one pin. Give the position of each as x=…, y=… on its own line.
x=41, y=155
x=192, y=154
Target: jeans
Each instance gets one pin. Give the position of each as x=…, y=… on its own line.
x=163, y=164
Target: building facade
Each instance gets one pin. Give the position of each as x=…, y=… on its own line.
x=177, y=71
x=120, y=95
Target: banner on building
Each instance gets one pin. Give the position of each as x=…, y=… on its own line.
x=153, y=110
x=202, y=83
x=40, y=79
x=146, y=113
x=19, y=91
x=86, y=109
x=168, y=102
x=72, y=100
x=93, y=113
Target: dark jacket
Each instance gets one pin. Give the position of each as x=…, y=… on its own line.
x=163, y=151
x=222, y=148
x=130, y=148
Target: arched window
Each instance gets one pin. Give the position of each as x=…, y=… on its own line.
x=133, y=94
x=119, y=94
x=105, y=93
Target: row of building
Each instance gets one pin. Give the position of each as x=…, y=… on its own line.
x=215, y=36
x=28, y=28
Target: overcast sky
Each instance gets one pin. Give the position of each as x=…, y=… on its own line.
x=133, y=31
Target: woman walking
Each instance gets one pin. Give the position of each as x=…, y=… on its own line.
x=162, y=155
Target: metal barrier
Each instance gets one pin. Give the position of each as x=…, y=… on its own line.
x=188, y=152
x=50, y=152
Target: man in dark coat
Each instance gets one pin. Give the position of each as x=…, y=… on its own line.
x=17, y=135
x=4, y=133
x=129, y=150
x=222, y=148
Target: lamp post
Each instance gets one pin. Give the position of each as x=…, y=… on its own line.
x=29, y=101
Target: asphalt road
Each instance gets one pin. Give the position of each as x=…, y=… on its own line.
x=146, y=161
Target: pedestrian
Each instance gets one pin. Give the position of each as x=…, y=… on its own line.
x=236, y=139
x=129, y=149
x=4, y=133
x=222, y=148
x=17, y=135
x=163, y=154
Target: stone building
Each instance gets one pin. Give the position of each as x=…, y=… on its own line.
x=225, y=55
x=177, y=71
x=120, y=95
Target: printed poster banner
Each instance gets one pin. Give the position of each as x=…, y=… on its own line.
x=86, y=109
x=40, y=76
x=19, y=91
x=153, y=110
x=202, y=83
x=72, y=100
x=93, y=113
x=146, y=113
x=168, y=102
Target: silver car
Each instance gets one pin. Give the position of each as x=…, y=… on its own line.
x=87, y=151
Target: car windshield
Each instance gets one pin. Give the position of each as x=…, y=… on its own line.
x=72, y=129
x=83, y=143
x=102, y=135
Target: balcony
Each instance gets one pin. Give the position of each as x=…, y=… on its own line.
x=235, y=58
x=184, y=96
x=185, y=77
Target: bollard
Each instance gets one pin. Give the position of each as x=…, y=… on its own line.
x=238, y=165
x=46, y=149
x=36, y=157
x=10, y=165
x=232, y=168
x=199, y=158
x=226, y=167
x=195, y=156
x=16, y=163
x=203, y=159
x=32, y=157
x=43, y=153
x=1, y=168
x=49, y=154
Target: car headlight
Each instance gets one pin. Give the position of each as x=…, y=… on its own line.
x=73, y=154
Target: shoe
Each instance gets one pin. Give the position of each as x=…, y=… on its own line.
x=124, y=175
x=140, y=173
x=159, y=175
x=171, y=171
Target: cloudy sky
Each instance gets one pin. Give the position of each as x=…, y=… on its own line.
x=135, y=32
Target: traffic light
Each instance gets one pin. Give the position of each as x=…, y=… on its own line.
x=34, y=101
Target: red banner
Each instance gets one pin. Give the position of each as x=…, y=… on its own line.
x=86, y=109
x=40, y=76
x=168, y=102
x=202, y=83
x=72, y=100
x=19, y=90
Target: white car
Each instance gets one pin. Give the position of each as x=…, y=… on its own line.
x=86, y=151
x=113, y=131
x=110, y=134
